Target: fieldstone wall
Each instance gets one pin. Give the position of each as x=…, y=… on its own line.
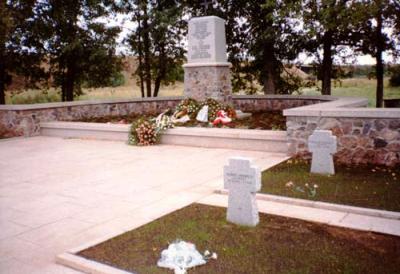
x=360, y=140
x=202, y=82
x=253, y=103
x=365, y=136
x=24, y=120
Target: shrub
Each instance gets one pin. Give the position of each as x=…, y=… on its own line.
x=117, y=79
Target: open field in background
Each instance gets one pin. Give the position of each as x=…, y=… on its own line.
x=121, y=92
x=356, y=87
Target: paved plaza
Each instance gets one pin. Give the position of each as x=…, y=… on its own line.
x=57, y=194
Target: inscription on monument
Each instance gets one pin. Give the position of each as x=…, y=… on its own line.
x=201, y=49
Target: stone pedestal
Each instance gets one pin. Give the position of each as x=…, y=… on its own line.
x=213, y=81
x=207, y=73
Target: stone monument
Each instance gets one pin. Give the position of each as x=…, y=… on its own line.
x=243, y=180
x=322, y=144
x=207, y=73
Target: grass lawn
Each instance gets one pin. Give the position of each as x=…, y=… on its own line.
x=359, y=87
x=363, y=186
x=276, y=245
x=33, y=96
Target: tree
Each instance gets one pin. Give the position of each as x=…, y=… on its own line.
x=329, y=25
x=157, y=42
x=21, y=51
x=79, y=47
x=378, y=18
x=261, y=37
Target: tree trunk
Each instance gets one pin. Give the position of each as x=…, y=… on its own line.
x=2, y=82
x=141, y=80
x=161, y=70
x=326, y=70
x=146, y=49
x=379, y=62
x=269, y=69
x=140, y=56
x=70, y=82
x=63, y=92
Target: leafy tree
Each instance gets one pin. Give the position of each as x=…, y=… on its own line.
x=79, y=47
x=261, y=36
x=329, y=24
x=20, y=50
x=377, y=17
x=157, y=41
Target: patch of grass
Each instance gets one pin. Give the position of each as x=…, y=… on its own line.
x=128, y=91
x=276, y=245
x=358, y=87
x=33, y=96
x=363, y=186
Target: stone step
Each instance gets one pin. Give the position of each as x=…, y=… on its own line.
x=243, y=139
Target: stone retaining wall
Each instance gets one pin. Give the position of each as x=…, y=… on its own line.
x=253, y=103
x=365, y=136
x=24, y=120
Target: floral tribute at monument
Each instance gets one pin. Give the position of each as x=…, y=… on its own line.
x=207, y=79
x=147, y=131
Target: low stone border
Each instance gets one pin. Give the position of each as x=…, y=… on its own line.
x=242, y=139
x=322, y=205
x=87, y=266
x=70, y=259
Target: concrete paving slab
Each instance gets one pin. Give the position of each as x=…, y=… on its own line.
x=335, y=218
x=57, y=194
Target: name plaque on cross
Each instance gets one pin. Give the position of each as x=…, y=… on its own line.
x=206, y=42
x=243, y=180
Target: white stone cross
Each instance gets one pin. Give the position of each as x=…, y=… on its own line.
x=242, y=180
x=322, y=144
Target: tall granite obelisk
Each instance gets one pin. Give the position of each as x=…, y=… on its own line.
x=207, y=73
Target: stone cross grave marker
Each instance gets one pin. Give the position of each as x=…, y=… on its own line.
x=243, y=180
x=322, y=144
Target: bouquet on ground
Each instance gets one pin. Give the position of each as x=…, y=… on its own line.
x=143, y=132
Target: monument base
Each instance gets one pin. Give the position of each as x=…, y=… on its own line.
x=208, y=81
